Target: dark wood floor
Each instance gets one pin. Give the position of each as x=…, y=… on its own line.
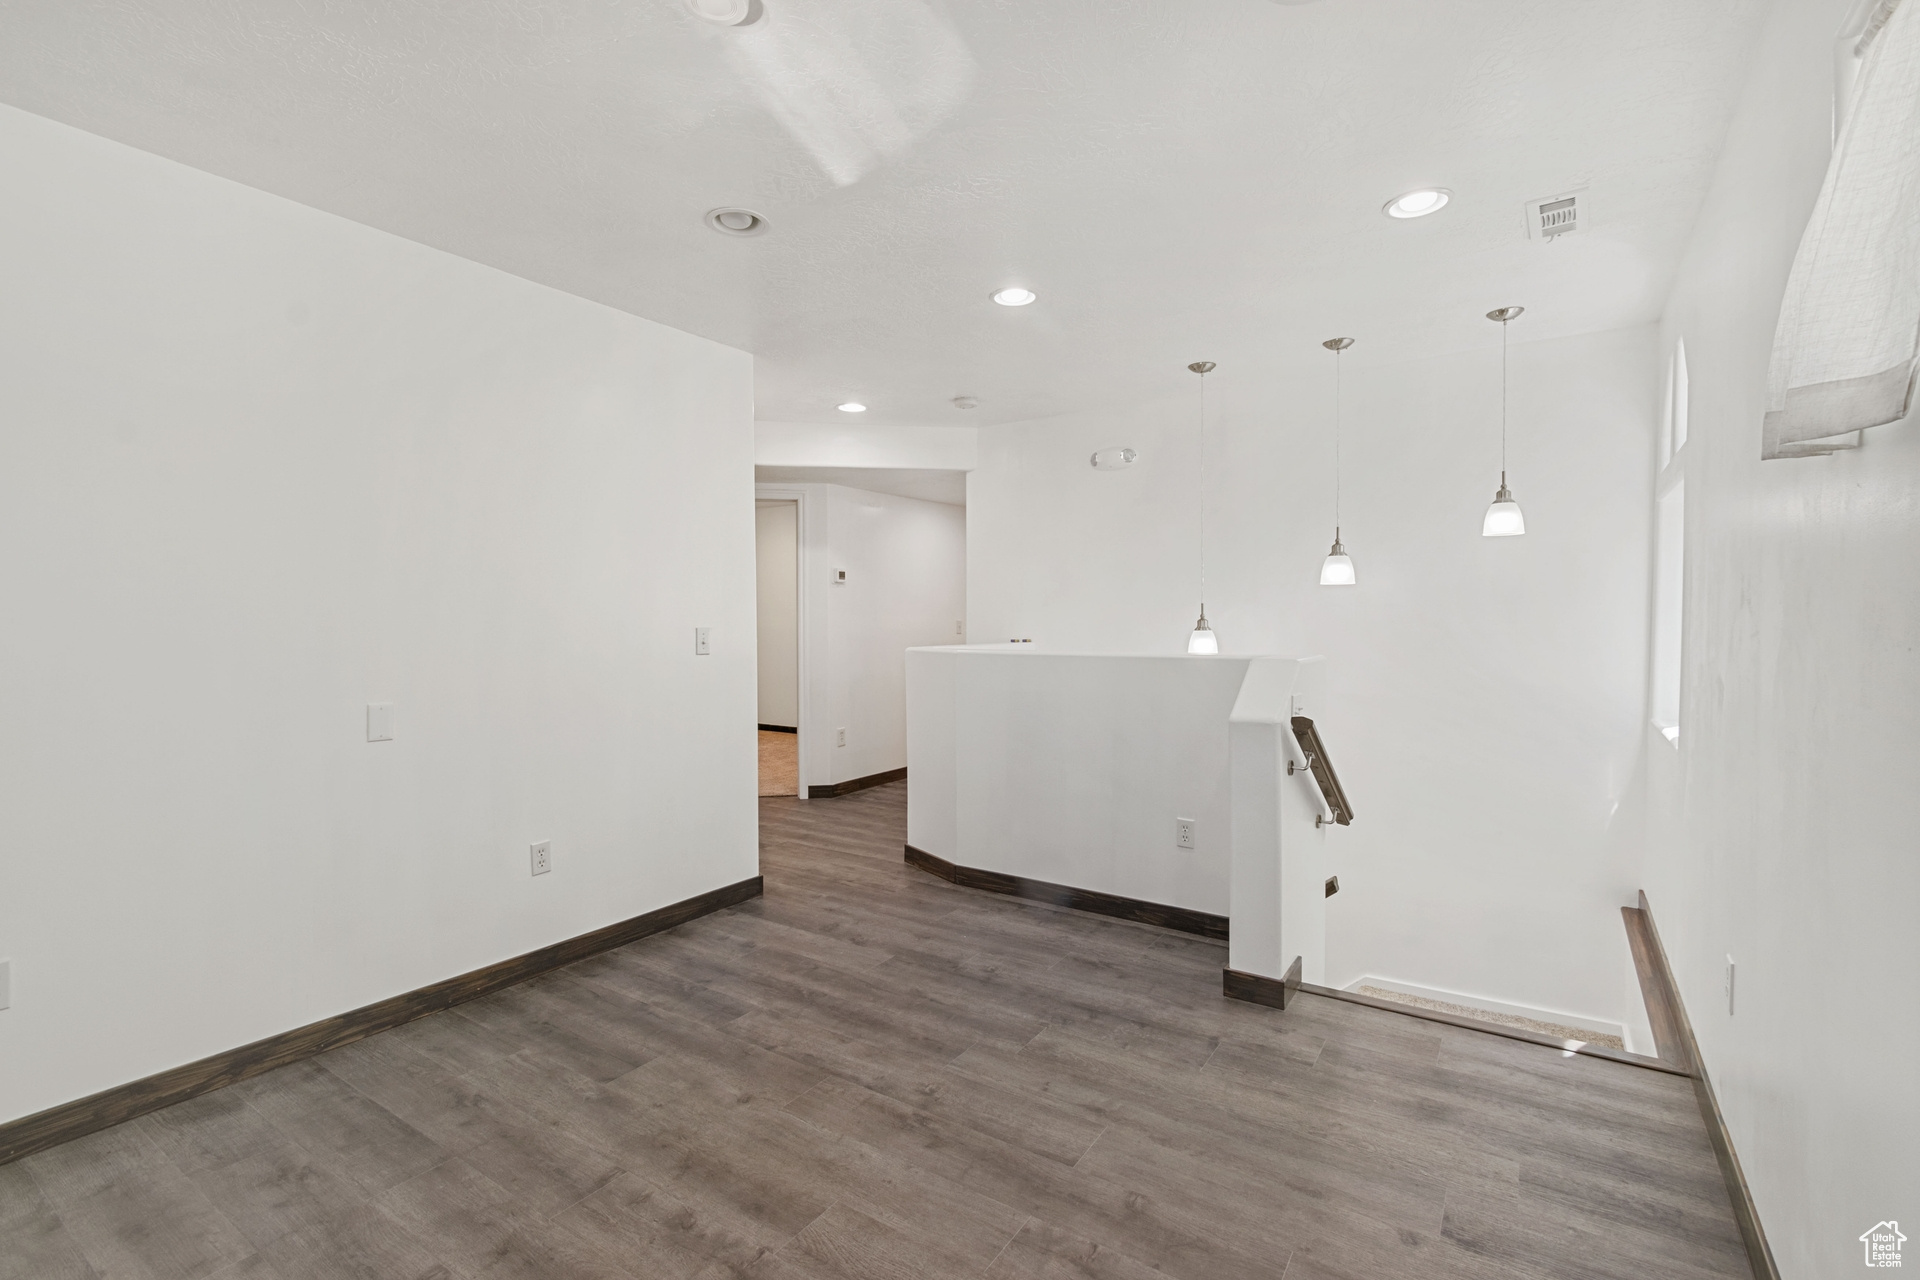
x=873, y=1073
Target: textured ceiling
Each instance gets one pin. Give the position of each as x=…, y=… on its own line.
x=1177, y=179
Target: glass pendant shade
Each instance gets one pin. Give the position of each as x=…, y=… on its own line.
x=1337, y=569
x=1202, y=640
x=1503, y=516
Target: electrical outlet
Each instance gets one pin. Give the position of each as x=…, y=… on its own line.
x=1730, y=976
x=701, y=643
x=542, y=857
x=839, y=737
x=1183, y=832
x=960, y=629
x=379, y=722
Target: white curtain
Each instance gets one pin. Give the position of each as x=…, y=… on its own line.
x=1844, y=353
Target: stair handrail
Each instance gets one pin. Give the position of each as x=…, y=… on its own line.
x=1321, y=767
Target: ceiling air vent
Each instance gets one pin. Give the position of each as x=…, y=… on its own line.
x=1552, y=216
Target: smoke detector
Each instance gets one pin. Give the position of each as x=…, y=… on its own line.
x=725, y=13
x=965, y=402
x=736, y=222
x=1552, y=216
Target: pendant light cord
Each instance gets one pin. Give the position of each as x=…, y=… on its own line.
x=1336, y=443
x=1203, y=495
x=1503, y=404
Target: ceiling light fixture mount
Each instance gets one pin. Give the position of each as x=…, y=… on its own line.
x=966, y=402
x=1202, y=640
x=1503, y=518
x=1337, y=569
x=726, y=13
x=852, y=406
x=1014, y=296
x=1417, y=204
x=730, y=221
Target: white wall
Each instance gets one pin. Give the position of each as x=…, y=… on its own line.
x=850, y=444
x=1484, y=694
x=1072, y=769
x=260, y=466
x=1782, y=830
x=777, y=615
x=906, y=585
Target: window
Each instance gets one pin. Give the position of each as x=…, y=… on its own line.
x=1681, y=398
x=1669, y=596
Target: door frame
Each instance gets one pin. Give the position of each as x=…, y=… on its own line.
x=800, y=497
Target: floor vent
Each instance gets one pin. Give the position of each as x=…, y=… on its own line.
x=1552, y=216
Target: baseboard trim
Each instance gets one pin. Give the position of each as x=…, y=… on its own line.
x=1275, y=993
x=855, y=784
x=778, y=728
x=1656, y=981
x=1494, y=1029
x=1656, y=991
x=125, y=1102
x=1487, y=1004
x=1184, y=919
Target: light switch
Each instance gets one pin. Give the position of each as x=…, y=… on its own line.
x=701, y=643
x=379, y=722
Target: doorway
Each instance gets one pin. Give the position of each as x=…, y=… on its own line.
x=777, y=573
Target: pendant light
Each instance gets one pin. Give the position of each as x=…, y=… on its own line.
x=1337, y=569
x=1503, y=516
x=1203, y=640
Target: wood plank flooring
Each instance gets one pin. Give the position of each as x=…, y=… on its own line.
x=872, y=1073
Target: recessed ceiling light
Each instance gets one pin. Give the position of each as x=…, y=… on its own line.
x=1014, y=296
x=1418, y=204
x=736, y=222
x=853, y=406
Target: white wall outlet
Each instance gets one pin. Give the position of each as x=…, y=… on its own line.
x=960, y=629
x=542, y=852
x=702, y=642
x=1730, y=977
x=839, y=737
x=379, y=722
x=6, y=984
x=1183, y=832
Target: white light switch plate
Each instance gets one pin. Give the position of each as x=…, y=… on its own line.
x=379, y=722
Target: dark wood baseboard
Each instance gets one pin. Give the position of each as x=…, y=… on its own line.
x=125, y=1102
x=1656, y=989
x=1275, y=993
x=855, y=784
x=778, y=728
x=1656, y=979
x=1580, y=1047
x=1185, y=919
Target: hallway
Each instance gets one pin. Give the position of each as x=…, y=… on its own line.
x=872, y=1073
